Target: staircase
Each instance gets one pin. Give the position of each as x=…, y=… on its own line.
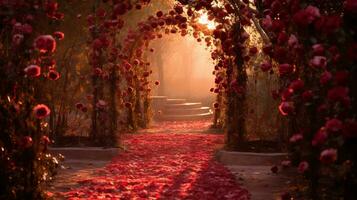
x=166, y=109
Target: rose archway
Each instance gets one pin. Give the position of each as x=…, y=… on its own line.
x=311, y=45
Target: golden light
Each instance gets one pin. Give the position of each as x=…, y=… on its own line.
x=203, y=19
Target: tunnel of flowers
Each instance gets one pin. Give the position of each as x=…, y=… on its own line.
x=168, y=84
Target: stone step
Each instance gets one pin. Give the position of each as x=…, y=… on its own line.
x=186, y=117
x=189, y=111
x=158, y=98
x=158, y=102
x=184, y=105
x=175, y=101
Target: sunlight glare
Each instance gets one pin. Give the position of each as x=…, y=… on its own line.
x=205, y=21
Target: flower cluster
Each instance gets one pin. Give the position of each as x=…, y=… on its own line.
x=312, y=41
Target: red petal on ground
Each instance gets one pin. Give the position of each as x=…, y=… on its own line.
x=164, y=166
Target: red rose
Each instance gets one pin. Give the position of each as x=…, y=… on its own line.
x=17, y=39
x=22, y=28
x=79, y=106
x=297, y=85
x=267, y=22
x=266, y=66
x=322, y=109
x=253, y=50
x=282, y=38
x=285, y=196
x=286, y=108
x=339, y=94
x=84, y=109
x=45, y=140
x=127, y=65
x=287, y=94
x=325, y=77
x=318, y=49
x=285, y=69
x=26, y=142
x=350, y=128
x=97, y=44
x=45, y=43
x=333, y=125
x=128, y=105
x=267, y=49
x=320, y=137
x=136, y=62
x=307, y=96
x=41, y=111
x=159, y=14
x=352, y=51
x=216, y=105
x=33, y=71
x=328, y=24
x=274, y=169
x=59, y=35
x=120, y=9
x=350, y=6
x=53, y=75
x=341, y=77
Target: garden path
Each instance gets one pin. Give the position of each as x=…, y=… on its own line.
x=169, y=161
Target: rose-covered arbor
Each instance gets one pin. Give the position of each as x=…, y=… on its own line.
x=310, y=45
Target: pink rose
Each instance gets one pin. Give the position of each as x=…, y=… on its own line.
x=318, y=62
x=328, y=156
x=286, y=163
x=318, y=49
x=101, y=104
x=17, y=39
x=293, y=42
x=306, y=16
x=296, y=138
x=303, y=167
